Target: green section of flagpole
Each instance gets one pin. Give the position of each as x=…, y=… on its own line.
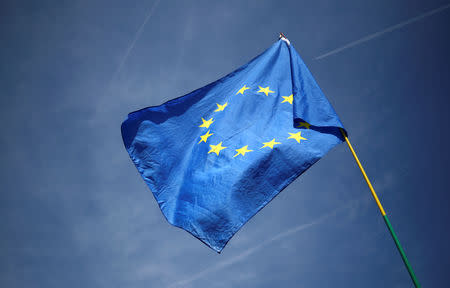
x=383, y=213
x=402, y=253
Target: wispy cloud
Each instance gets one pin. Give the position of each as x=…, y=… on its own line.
x=136, y=37
x=248, y=252
x=380, y=33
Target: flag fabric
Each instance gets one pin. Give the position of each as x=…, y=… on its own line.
x=216, y=156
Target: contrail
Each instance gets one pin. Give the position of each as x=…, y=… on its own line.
x=252, y=250
x=136, y=37
x=377, y=34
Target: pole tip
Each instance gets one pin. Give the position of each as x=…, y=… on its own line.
x=282, y=35
x=283, y=38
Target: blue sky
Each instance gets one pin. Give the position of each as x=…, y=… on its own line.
x=75, y=212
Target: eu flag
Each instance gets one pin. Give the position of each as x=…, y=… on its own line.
x=216, y=156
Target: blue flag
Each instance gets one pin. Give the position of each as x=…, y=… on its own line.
x=216, y=156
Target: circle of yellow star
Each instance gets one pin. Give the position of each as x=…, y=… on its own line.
x=270, y=144
x=206, y=123
x=265, y=90
x=220, y=107
x=288, y=99
x=242, y=90
x=216, y=148
x=297, y=136
x=242, y=151
x=303, y=124
x=205, y=137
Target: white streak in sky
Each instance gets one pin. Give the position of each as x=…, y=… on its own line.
x=136, y=37
x=252, y=250
x=387, y=30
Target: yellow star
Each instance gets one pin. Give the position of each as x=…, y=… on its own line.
x=297, y=136
x=216, y=148
x=220, y=107
x=242, y=151
x=270, y=144
x=206, y=123
x=265, y=90
x=205, y=137
x=303, y=124
x=288, y=99
x=242, y=90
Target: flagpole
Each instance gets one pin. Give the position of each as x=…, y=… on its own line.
x=383, y=213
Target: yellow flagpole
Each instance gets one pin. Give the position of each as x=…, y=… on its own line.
x=364, y=173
